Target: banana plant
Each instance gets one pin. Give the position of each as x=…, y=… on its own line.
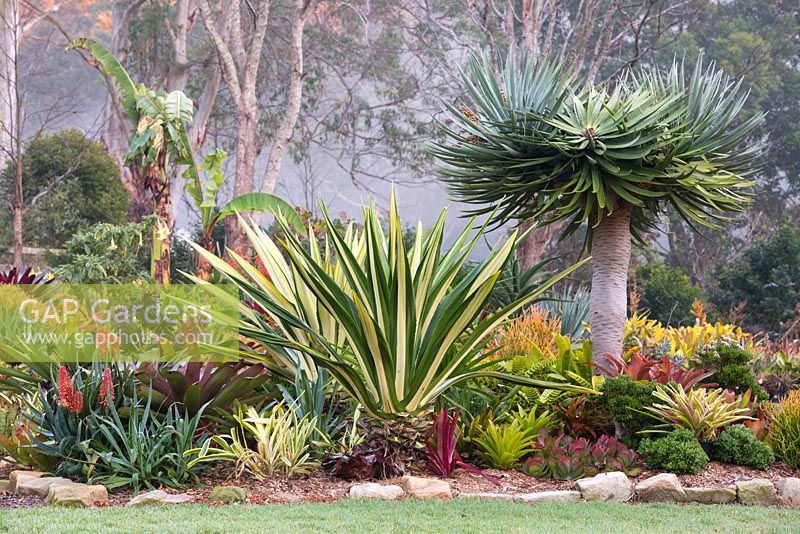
x=204, y=194
x=408, y=327
x=160, y=138
x=159, y=141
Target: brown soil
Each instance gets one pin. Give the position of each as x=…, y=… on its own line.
x=319, y=487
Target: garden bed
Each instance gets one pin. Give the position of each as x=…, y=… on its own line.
x=319, y=487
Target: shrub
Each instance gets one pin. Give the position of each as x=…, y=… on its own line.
x=677, y=452
x=533, y=333
x=363, y=463
x=738, y=445
x=668, y=293
x=732, y=368
x=84, y=183
x=63, y=414
x=107, y=253
x=141, y=449
x=503, y=446
x=623, y=400
x=192, y=385
x=663, y=371
x=701, y=411
x=767, y=278
x=441, y=447
x=90, y=430
x=784, y=429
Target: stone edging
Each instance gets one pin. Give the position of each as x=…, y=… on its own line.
x=605, y=487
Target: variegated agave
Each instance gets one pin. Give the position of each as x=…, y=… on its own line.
x=396, y=327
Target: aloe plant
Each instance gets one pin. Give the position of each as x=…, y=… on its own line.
x=394, y=326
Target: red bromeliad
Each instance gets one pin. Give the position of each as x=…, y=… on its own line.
x=663, y=371
x=443, y=438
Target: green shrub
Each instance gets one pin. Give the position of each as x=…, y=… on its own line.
x=107, y=254
x=738, y=445
x=677, y=452
x=767, y=277
x=732, y=366
x=784, y=429
x=668, y=293
x=263, y=443
x=623, y=400
x=84, y=183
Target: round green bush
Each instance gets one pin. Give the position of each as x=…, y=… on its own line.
x=678, y=452
x=624, y=400
x=732, y=366
x=738, y=445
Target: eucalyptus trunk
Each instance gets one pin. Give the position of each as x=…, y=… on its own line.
x=611, y=256
x=246, y=155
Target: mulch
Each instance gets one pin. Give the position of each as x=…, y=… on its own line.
x=319, y=487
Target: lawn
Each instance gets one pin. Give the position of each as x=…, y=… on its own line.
x=409, y=516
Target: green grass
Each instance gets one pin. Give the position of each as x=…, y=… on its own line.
x=416, y=517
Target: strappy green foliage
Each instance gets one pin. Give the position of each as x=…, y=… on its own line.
x=393, y=325
x=535, y=143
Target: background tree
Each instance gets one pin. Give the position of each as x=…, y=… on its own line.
x=667, y=293
x=765, y=278
x=238, y=32
x=69, y=183
x=530, y=143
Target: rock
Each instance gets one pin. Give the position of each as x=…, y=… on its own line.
x=13, y=475
x=664, y=487
x=159, y=497
x=606, y=487
x=39, y=486
x=5, y=486
x=426, y=488
x=229, y=494
x=549, y=496
x=759, y=492
x=77, y=495
x=711, y=495
x=373, y=490
x=789, y=490
x=487, y=496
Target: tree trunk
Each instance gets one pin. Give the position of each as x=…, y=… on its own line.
x=9, y=28
x=17, y=230
x=293, y=101
x=19, y=202
x=611, y=256
x=245, y=169
x=115, y=126
x=532, y=250
x=203, y=267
